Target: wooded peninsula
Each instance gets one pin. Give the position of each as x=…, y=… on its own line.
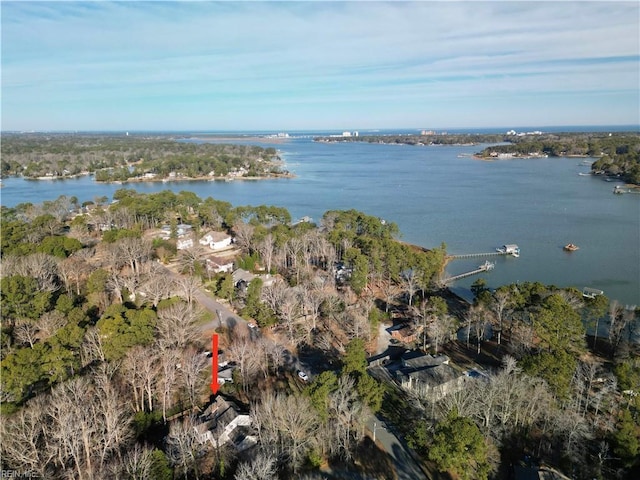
x=617, y=154
x=124, y=158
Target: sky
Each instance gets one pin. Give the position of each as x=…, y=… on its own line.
x=283, y=66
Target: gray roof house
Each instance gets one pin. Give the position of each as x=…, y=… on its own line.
x=221, y=423
x=430, y=376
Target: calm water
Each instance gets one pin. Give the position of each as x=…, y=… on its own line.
x=436, y=195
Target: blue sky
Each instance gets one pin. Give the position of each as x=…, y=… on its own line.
x=318, y=65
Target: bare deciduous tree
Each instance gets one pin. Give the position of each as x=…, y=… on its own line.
x=348, y=417
x=139, y=370
x=289, y=424
x=247, y=357
x=26, y=331
x=176, y=325
x=191, y=259
x=244, y=235
x=266, y=249
x=49, y=323
x=24, y=439
x=313, y=299
x=411, y=281
x=133, y=251
x=73, y=271
x=441, y=329
x=274, y=293
x=289, y=312
x=356, y=325
x=92, y=347
x=158, y=284
x=262, y=467
x=189, y=286
x=192, y=364
x=183, y=446
x=41, y=266
x=390, y=293
x=169, y=366
x=500, y=306
x=136, y=464
x=87, y=425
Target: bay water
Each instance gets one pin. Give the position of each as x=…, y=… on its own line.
x=439, y=194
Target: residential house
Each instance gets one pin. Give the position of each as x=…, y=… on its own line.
x=221, y=423
x=216, y=240
x=182, y=230
x=241, y=276
x=219, y=264
x=404, y=333
x=429, y=375
x=184, y=243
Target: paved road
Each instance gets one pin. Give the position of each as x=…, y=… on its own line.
x=405, y=466
x=222, y=315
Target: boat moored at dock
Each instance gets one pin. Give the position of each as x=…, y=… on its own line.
x=510, y=249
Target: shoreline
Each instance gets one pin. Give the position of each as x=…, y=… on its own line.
x=155, y=180
x=198, y=179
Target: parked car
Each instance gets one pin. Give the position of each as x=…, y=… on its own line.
x=303, y=376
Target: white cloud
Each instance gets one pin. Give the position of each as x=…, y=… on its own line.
x=337, y=52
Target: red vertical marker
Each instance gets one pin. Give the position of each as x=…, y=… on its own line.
x=214, y=363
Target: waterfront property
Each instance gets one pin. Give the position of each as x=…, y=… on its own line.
x=588, y=292
x=430, y=376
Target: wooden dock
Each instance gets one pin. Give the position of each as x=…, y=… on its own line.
x=485, y=267
x=472, y=255
x=509, y=249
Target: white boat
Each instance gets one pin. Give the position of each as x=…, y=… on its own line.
x=511, y=249
x=588, y=292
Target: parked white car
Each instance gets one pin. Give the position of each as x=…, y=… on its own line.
x=303, y=376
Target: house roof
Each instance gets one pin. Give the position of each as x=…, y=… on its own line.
x=415, y=359
x=241, y=274
x=219, y=260
x=433, y=376
x=218, y=415
x=217, y=236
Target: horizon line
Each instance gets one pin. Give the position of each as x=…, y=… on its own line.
x=284, y=130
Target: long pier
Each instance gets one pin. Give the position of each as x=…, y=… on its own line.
x=511, y=249
x=472, y=255
x=485, y=267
